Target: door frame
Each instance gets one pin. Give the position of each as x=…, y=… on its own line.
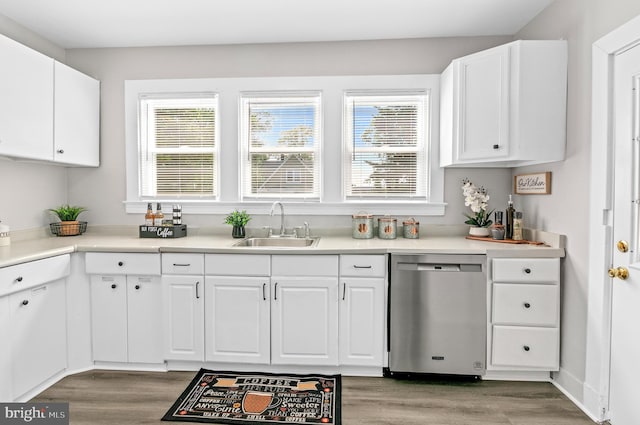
x=597, y=367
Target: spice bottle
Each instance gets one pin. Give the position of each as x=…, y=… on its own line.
x=517, y=226
x=508, y=234
x=159, y=216
x=149, y=216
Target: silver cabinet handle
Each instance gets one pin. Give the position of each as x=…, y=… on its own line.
x=264, y=291
x=197, y=290
x=61, y=151
x=181, y=265
x=355, y=266
x=344, y=290
x=275, y=292
x=19, y=279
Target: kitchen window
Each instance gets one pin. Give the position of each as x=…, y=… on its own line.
x=281, y=139
x=178, y=146
x=286, y=138
x=385, y=145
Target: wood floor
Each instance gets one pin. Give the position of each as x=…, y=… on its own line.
x=131, y=398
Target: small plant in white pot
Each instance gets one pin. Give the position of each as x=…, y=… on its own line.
x=69, y=224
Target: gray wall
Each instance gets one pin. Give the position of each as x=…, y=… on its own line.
x=581, y=23
x=103, y=190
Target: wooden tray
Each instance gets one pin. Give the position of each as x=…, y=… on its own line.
x=511, y=241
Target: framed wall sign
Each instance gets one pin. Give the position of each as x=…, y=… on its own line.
x=532, y=184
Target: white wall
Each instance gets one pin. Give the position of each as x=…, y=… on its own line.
x=103, y=190
x=581, y=23
x=27, y=190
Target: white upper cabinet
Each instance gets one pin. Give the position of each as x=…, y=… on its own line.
x=76, y=117
x=50, y=112
x=26, y=103
x=505, y=106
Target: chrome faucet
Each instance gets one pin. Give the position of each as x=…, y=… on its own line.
x=273, y=207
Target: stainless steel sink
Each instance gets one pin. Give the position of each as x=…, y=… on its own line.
x=278, y=242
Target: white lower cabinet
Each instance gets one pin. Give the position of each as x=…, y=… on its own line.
x=39, y=335
x=525, y=314
x=126, y=323
x=126, y=320
x=237, y=312
x=304, y=320
x=362, y=309
x=33, y=325
x=183, y=306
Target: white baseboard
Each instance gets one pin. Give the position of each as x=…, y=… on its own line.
x=569, y=385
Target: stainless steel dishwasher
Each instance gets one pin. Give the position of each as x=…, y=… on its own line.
x=437, y=314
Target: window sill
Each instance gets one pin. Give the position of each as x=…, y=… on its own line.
x=296, y=208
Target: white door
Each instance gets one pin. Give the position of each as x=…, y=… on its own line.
x=76, y=118
x=304, y=320
x=484, y=105
x=109, y=318
x=39, y=344
x=144, y=319
x=625, y=344
x=362, y=321
x=183, y=300
x=237, y=325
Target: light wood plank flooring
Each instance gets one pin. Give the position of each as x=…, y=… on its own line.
x=108, y=397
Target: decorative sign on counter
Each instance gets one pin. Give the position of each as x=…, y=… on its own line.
x=532, y=184
x=163, y=231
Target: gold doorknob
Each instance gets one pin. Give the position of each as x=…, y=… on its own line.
x=619, y=272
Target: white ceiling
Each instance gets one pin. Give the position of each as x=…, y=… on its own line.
x=126, y=23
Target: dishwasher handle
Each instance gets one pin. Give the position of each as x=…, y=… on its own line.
x=439, y=267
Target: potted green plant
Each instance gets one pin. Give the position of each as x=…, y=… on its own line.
x=238, y=219
x=69, y=224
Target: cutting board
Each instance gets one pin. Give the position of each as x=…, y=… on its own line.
x=511, y=241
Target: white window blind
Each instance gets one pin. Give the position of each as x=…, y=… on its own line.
x=178, y=146
x=385, y=145
x=281, y=138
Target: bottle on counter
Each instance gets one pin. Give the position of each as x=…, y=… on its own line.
x=517, y=226
x=159, y=216
x=508, y=228
x=149, y=216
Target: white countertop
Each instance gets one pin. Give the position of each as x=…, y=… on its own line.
x=105, y=239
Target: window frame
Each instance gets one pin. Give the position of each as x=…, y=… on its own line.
x=146, y=102
x=421, y=148
x=331, y=193
x=304, y=97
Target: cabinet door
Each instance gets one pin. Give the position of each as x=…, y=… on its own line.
x=483, y=105
x=144, y=314
x=237, y=322
x=183, y=300
x=109, y=318
x=6, y=393
x=39, y=335
x=362, y=321
x=304, y=320
x=26, y=103
x=77, y=117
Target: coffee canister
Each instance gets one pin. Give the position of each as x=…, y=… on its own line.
x=362, y=226
x=411, y=229
x=387, y=227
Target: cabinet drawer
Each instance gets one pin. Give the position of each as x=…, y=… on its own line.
x=183, y=264
x=304, y=265
x=237, y=265
x=526, y=269
x=525, y=304
x=525, y=347
x=122, y=263
x=363, y=265
x=26, y=275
